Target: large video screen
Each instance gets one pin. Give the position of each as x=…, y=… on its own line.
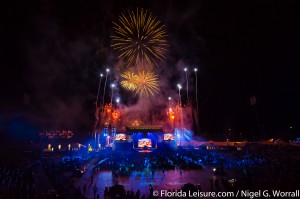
x=145, y=143
x=120, y=137
x=168, y=136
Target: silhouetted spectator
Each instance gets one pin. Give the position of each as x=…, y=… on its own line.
x=95, y=189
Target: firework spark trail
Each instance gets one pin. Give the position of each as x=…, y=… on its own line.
x=128, y=83
x=139, y=38
x=147, y=83
x=143, y=83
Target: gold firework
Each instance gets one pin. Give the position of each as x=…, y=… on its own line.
x=147, y=83
x=139, y=38
x=129, y=82
x=144, y=83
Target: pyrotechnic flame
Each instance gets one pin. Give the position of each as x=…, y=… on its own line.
x=116, y=114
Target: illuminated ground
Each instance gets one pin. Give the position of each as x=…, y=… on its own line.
x=141, y=180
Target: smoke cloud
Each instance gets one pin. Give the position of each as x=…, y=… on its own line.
x=66, y=48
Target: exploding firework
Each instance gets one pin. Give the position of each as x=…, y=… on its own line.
x=129, y=82
x=144, y=83
x=147, y=83
x=139, y=38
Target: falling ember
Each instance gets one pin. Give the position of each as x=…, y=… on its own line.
x=139, y=38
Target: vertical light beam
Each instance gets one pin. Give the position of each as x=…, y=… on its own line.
x=107, y=71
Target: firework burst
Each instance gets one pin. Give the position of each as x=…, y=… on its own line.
x=129, y=81
x=143, y=83
x=147, y=83
x=139, y=38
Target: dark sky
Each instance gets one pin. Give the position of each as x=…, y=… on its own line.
x=52, y=51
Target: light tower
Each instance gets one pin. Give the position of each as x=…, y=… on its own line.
x=112, y=93
x=187, y=83
x=107, y=71
x=196, y=70
x=179, y=96
x=101, y=75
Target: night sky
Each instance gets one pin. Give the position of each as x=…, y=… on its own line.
x=53, y=51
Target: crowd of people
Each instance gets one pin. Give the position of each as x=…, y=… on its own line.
x=273, y=163
x=16, y=182
x=278, y=163
x=119, y=192
x=250, y=165
x=123, y=163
